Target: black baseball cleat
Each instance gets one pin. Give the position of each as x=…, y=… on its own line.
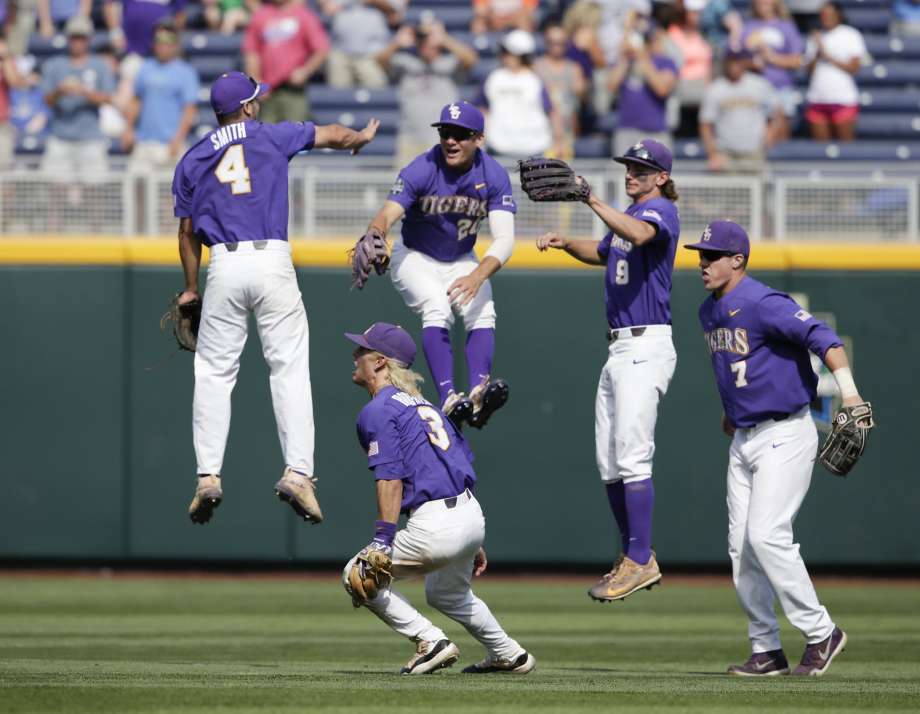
x=487, y=399
x=522, y=664
x=458, y=408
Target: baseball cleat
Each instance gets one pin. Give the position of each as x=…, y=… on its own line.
x=487, y=399
x=627, y=577
x=299, y=490
x=431, y=656
x=458, y=408
x=818, y=657
x=762, y=664
x=499, y=665
x=208, y=496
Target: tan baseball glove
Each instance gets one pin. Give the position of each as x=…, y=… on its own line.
x=371, y=573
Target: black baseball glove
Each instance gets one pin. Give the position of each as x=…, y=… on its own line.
x=847, y=440
x=370, y=251
x=552, y=180
x=185, y=318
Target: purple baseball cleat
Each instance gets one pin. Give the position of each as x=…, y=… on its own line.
x=818, y=657
x=762, y=664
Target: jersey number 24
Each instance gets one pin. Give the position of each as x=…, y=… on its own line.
x=232, y=169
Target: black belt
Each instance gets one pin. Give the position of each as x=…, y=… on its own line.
x=634, y=331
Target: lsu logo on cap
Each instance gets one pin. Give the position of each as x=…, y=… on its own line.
x=455, y=111
x=707, y=234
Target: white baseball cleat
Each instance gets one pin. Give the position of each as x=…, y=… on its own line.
x=431, y=656
x=299, y=490
x=208, y=496
x=522, y=664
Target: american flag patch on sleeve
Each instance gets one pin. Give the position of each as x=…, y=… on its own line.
x=803, y=315
x=373, y=449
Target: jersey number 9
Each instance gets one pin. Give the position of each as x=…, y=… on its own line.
x=437, y=434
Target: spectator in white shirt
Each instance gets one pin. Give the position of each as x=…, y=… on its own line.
x=834, y=54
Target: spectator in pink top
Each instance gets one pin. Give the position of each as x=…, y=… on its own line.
x=285, y=45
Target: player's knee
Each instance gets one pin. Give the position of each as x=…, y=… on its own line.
x=442, y=600
x=762, y=540
x=438, y=315
x=480, y=317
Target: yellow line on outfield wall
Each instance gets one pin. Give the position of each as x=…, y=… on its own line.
x=331, y=253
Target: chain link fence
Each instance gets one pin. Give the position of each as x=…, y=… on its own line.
x=339, y=203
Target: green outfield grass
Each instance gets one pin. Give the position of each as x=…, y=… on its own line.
x=171, y=644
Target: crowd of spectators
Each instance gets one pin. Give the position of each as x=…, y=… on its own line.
x=683, y=66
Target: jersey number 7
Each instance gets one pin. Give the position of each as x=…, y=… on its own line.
x=232, y=169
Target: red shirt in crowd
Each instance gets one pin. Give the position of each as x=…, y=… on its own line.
x=284, y=37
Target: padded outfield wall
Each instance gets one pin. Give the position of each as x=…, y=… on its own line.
x=97, y=458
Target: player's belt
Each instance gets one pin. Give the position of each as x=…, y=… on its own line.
x=248, y=246
x=447, y=503
x=623, y=332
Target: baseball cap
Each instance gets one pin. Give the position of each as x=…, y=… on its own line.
x=462, y=114
x=519, y=43
x=79, y=26
x=389, y=340
x=724, y=237
x=232, y=90
x=648, y=152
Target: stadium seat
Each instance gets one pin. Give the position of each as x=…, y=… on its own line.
x=210, y=67
x=592, y=147
x=211, y=43
x=888, y=74
x=324, y=97
x=358, y=118
x=885, y=47
x=877, y=151
x=886, y=99
x=889, y=125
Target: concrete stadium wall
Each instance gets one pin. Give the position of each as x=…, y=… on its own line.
x=98, y=463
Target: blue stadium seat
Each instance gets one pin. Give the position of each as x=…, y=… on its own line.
x=606, y=123
x=210, y=67
x=869, y=19
x=889, y=74
x=381, y=146
x=877, y=151
x=30, y=145
x=210, y=43
x=323, y=97
x=890, y=99
x=886, y=47
x=358, y=118
x=42, y=48
x=889, y=125
x=592, y=147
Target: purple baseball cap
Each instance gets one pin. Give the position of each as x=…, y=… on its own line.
x=462, y=114
x=232, y=90
x=724, y=237
x=389, y=340
x=648, y=152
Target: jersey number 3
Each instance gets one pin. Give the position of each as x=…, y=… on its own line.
x=437, y=434
x=232, y=169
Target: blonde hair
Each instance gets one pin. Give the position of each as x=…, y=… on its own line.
x=403, y=378
x=669, y=190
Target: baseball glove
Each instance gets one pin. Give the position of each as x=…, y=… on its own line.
x=370, y=251
x=371, y=573
x=552, y=180
x=185, y=319
x=847, y=440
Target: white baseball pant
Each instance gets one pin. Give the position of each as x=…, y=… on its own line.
x=440, y=543
x=423, y=282
x=255, y=277
x=633, y=380
x=769, y=472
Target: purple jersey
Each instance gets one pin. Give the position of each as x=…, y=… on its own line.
x=444, y=208
x=233, y=183
x=638, y=280
x=759, y=340
x=139, y=19
x=407, y=438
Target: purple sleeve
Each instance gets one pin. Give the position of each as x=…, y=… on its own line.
x=182, y=193
x=292, y=137
x=783, y=318
x=794, y=42
x=603, y=248
x=663, y=62
x=380, y=440
x=404, y=190
x=658, y=218
x=547, y=102
x=501, y=197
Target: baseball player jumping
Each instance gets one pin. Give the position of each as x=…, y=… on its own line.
x=231, y=194
x=444, y=195
x=639, y=254
x=759, y=339
x=422, y=466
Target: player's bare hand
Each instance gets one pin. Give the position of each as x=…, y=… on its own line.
x=127, y=139
x=463, y=290
x=480, y=562
x=727, y=427
x=366, y=135
x=551, y=240
x=716, y=162
x=187, y=296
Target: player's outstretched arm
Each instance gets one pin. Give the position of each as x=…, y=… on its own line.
x=626, y=227
x=341, y=138
x=836, y=360
x=386, y=217
x=583, y=250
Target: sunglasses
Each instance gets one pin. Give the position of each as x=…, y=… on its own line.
x=456, y=133
x=711, y=256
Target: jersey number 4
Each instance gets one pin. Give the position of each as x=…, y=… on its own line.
x=232, y=169
x=437, y=434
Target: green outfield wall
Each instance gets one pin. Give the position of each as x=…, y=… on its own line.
x=97, y=457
